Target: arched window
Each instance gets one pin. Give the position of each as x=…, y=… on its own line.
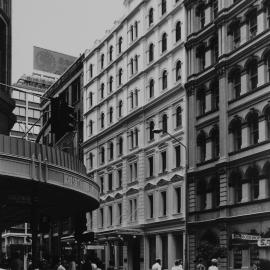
x=102, y=155
x=267, y=120
x=252, y=175
x=235, y=128
x=102, y=116
x=236, y=180
x=163, y=7
x=252, y=23
x=136, y=137
x=120, y=73
x=120, y=107
x=151, y=16
x=253, y=126
x=102, y=61
x=178, y=117
x=164, y=79
x=91, y=70
x=136, y=97
x=164, y=123
x=200, y=55
x=178, y=70
x=90, y=127
x=201, y=143
x=111, y=53
x=151, y=52
x=151, y=88
x=214, y=135
x=215, y=94
x=102, y=90
x=214, y=185
x=111, y=150
x=131, y=100
x=136, y=63
x=151, y=130
x=164, y=42
x=136, y=29
x=120, y=146
x=111, y=115
x=178, y=31
x=111, y=84
x=201, y=193
x=200, y=13
x=131, y=33
x=131, y=139
x=120, y=42
x=201, y=102
x=90, y=160
x=131, y=66
x=90, y=99
x=252, y=71
x=234, y=31
x=235, y=79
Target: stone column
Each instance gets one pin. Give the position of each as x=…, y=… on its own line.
x=107, y=256
x=245, y=142
x=158, y=246
x=245, y=192
x=146, y=252
x=171, y=250
x=262, y=130
x=263, y=188
x=116, y=256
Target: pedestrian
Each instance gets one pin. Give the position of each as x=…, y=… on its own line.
x=176, y=266
x=60, y=265
x=181, y=264
x=157, y=265
x=72, y=263
x=254, y=266
x=213, y=265
x=200, y=265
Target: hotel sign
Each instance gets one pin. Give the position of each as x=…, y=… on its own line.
x=245, y=237
x=264, y=242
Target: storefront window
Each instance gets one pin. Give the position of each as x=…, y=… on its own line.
x=237, y=258
x=254, y=255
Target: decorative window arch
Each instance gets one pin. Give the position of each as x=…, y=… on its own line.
x=111, y=150
x=214, y=49
x=102, y=88
x=200, y=13
x=163, y=7
x=90, y=127
x=120, y=146
x=251, y=18
x=178, y=31
x=120, y=108
x=90, y=99
x=111, y=53
x=136, y=132
x=102, y=61
x=214, y=136
x=131, y=66
x=151, y=130
x=136, y=58
x=131, y=33
x=136, y=29
x=136, y=97
x=164, y=79
x=91, y=70
x=111, y=115
x=102, y=155
x=120, y=42
x=252, y=71
x=236, y=181
x=178, y=117
x=201, y=98
x=111, y=84
x=120, y=74
x=200, y=55
x=234, y=31
x=214, y=88
x=132, y=100
x=252, y=176
x=90, y=160
x=102, y=118
x=235, y=80
x=164, y=42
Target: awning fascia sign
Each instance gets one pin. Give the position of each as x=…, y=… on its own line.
x=94, y=247
x=245, y=237
x=263, y=242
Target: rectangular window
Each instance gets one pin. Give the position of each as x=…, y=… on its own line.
x=163, y=203
x=151, y=166
x=164, y=161
x=135, y=209
x=110, y=181
x=178, y=199
x=135, y=170
x=151, y=205
x=177, y=156
x=101, y=218
x=237, y=258
x=101, y=185
x=130, y=210
x=164, y=241
x=130, y=172
x=152, y=250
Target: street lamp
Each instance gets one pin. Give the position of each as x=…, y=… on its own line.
x=158, y=131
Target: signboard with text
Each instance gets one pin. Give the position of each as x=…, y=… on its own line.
x=51, y=62
x=264, y=242
x=244, y=236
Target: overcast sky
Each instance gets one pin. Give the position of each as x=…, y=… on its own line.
x=67, y=26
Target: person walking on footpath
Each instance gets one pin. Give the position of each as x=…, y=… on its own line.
x=157, y=265
x=200, y=265
x=177, y=266
x=213, y=265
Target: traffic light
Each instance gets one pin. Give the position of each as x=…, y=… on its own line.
x=69, y=121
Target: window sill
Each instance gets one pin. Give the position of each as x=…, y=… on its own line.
x=149, y=219
x=177, y=168
x=133, y=183
x=177, y=214
x=163, y=173
x=149, y=178
x=207, y=161
x=163, y=216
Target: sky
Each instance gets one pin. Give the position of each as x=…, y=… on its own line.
x=66, y=26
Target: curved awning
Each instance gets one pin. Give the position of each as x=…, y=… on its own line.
x=53, y=180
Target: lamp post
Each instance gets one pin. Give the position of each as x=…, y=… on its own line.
x=158, y=131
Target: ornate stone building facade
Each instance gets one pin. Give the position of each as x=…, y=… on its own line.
x=133, y=84
x=228, y=100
